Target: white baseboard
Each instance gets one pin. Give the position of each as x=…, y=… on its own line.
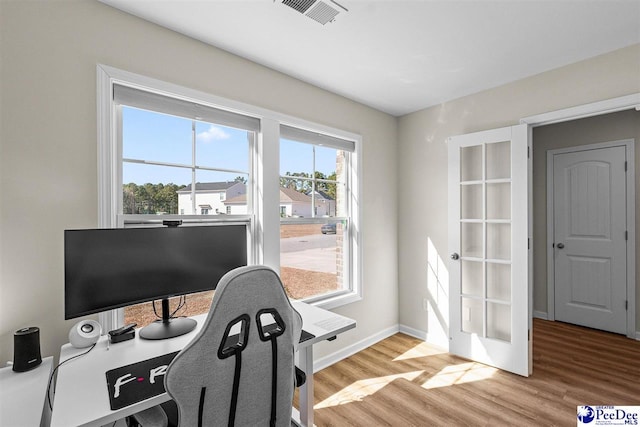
x=540, y=315
x=352, y=349
x=441, y=342
x=416, y=333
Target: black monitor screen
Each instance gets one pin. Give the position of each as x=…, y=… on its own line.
x=112, y=268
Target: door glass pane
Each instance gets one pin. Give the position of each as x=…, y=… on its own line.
x=499, y=201
x=499, y=281
x=471, y=201
x=472, y=315
x=471, y=240
x=499, y=321
x=499, y=241
x=499, y=160
x=471, y=163
x=471, y=273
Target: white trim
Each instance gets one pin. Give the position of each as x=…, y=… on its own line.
x=540, y=315
x=441, y=343
x=586, y=110
x=630, y=217
x=330, y=359
x=128, y=78
x=551, y=298
x=354, y=348
x=416, y=333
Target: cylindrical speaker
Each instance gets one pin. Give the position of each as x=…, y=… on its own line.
x=85, y=333
x=26, y=349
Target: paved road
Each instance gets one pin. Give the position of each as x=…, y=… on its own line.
x=314, y=253
x=315, y=241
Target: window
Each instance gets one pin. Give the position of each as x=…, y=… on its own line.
x=170, y=152
x=316, y=220
x=179, y=156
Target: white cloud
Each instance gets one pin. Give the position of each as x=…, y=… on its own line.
x=212, y=134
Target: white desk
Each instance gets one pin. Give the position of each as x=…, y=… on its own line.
x=81, y=397
x=23, y=393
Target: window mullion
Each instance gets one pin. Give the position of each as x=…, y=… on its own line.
x=193, y=167
x=313, y=185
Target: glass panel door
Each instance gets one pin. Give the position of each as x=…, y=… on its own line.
x=488, y=231
x=485, y=239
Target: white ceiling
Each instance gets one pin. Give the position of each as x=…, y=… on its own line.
x=403, y=56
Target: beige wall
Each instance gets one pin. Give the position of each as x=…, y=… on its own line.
x=605, y=128
x=423, y=255
x=48, y=158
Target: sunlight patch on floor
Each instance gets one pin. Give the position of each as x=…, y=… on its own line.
x=363, y=388
x=421, y=350
x=460, y=374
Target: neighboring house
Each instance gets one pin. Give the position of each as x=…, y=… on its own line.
x=209, y=197
x=236, y=205
x=230, y=198
x=292, y=204
x=325, y=204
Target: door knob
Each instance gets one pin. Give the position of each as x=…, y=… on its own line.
x=455, y=256
x=560, y=245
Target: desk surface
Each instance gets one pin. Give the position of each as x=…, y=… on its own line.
x=24, y=394
x=81, y=391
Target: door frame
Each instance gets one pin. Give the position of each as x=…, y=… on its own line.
x=598, y=108
x=630, y=219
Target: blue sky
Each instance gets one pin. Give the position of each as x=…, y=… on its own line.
x=158, y=137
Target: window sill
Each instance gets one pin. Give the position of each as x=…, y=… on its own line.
x=334, y=301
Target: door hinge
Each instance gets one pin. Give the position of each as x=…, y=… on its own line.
x=626, y=305
x=626, y=235
x=528, y=243
x=529, y=153
x=528, y=334
x=625, y=166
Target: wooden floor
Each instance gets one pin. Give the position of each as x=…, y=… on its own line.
x=402, y=381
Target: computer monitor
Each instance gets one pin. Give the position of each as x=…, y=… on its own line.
x=113, y=268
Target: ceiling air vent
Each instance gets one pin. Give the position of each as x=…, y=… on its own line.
x=318, y=10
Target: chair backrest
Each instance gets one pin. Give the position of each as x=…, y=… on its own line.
x=221, y=378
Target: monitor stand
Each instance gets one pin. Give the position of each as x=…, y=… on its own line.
x=167, y=327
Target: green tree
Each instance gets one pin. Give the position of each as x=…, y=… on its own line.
x=150, y=198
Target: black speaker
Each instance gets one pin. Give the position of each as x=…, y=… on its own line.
x=26, y=349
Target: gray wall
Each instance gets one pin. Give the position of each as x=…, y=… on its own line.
x=48, y=151
x=608, y=127
x=422, y=167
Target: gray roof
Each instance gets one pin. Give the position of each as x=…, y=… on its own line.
x=209, y=186
x=291, y=195
x=322, y=195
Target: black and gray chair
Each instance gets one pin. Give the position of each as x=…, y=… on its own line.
x=239, y=369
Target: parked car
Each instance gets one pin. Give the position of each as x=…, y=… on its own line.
x=328, y=228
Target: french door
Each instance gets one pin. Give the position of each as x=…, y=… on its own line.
x=489, y=287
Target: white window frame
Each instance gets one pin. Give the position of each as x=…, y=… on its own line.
x=265, y=220
x=315, y=138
